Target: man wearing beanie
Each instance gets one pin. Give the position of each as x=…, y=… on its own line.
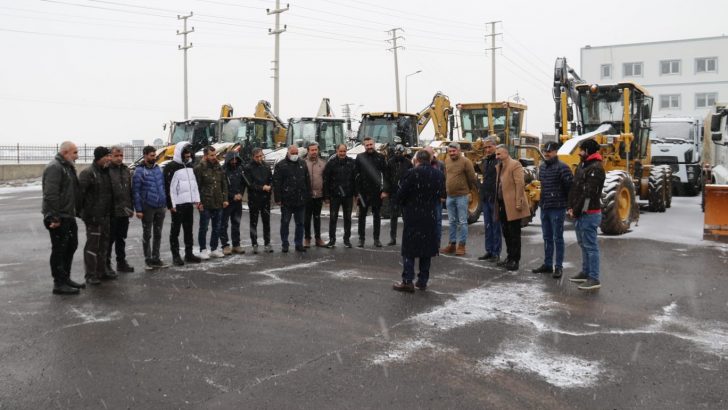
x=585, y=206
x=96, y=209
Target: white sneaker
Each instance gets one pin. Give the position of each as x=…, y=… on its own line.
x=204, y=254
x=217, y=254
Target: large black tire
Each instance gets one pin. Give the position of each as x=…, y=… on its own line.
x=618, y=203
x=475, y=206
x=668, y=186
x=657, y=191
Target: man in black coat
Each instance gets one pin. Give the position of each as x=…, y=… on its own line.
x=339, y=176
x=419, y=193
x=397, y=166
x=234, y=212
x=123, y=210
x=291, y=190
x=96, y=210
x=260, y=178
x=60, y=198
x=370, y=169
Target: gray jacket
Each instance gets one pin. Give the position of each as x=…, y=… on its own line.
x=60, y=189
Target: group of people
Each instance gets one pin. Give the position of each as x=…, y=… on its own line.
x=107, y=194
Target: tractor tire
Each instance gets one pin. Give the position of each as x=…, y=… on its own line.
x=475, y=206
x=618, y=203
x=657, y=194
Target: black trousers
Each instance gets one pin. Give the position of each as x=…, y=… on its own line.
x=233, y=214
x=511, y=234
x=259, y=207
x=152, y=223
x=313, y=213
x=346, y=204
x=97, y=244
x=394, y=213
x=117, y=239
x=183, y=218
x=375, y=204
x=64, y=242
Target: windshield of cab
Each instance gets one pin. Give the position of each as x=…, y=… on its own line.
x=257, y=133
x=597, y=109
x=673, y=130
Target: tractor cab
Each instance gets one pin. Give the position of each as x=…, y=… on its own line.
x=503, y=120
x=326, y=131
x=243, y=134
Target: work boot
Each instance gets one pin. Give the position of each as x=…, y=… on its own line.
x=512, y=265
x=307, y=243
x=558, y=272
x=124, y=267
x=543, y=269
x=460, y=249
x=177, y=260
x=320, y=243
x=450, y=248
x=225, y=251
x=74, y=284
x=408, y=287
x=64, y=289
x=191, y=258
x=238, y=250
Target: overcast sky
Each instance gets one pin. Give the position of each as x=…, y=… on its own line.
x=108, y=71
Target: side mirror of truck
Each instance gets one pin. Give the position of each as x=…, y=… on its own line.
x=715, y=122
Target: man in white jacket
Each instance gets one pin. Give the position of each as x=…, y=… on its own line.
x=182, y=198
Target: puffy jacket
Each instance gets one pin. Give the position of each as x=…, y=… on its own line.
x=212, y=184
x=487, y=190
x=179, y=180
x=339, y=177
x=586, y=191
x=397, y=166
x=235, y=176
x=61, y=195
x=121, y=188
x=98, y=201
x=291, y=185
x=148, y=187
x=370, y=170
x=556, y=178
x=258, y=175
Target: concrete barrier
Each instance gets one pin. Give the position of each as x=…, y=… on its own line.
x=12, y=172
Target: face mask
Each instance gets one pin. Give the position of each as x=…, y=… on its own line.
x=293, y=158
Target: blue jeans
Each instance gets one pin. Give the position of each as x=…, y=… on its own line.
x=586, y=235
x=214, y=215
x=493, y=240
x=408, y=272
x=297, y=213
x=457, y=214
x=552, y=227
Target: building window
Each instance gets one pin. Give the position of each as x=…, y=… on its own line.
x=669, y=67
x=705, y=100
x=670, y=101
x=606, y=71
x=706, y=65
x=632, y=70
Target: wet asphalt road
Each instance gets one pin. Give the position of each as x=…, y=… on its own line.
x=325, y=330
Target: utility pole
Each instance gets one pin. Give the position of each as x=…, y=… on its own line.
x=277, y=62
x=184, y=48
x=394, y=48
x=492, y=53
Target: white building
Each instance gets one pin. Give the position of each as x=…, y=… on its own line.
x=685, y=77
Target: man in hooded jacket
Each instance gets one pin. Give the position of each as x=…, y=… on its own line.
x=234, y=211
x=183, y=197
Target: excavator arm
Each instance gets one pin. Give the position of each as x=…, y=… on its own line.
x=565, y=97
x=439, y=112
x=263, y=110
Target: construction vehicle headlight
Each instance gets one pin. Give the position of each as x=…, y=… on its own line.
x=594, y=88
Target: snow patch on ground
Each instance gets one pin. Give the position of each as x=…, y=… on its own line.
x=564, y=371
x=348, y=274
x=17, y=189
x=403, y=350
x=217, y=263
x=273, y=274
x=212, y=363
x=90, y=315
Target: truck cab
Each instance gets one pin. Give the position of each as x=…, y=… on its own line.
x=677, y=142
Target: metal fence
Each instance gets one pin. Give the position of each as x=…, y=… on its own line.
x=29, y=154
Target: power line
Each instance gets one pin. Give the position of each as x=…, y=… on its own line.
x=143, y=41
x=393, y=49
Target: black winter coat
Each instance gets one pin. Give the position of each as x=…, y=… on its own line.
x=235, y=176
x=97, y=202
x=291, y=185
x=339, y=177
x=556, y=179
x=121, y=188
x=487, y=189
x=258, y=175
x=419, y=192
x=397, y=166
x=61, y=194
x=586, y=191
x=370, y=171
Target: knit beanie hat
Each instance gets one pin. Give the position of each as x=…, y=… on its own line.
x=101, y=152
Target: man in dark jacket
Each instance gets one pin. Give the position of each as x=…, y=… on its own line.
x=556, y=178
x=261, y=184
x=339, y=175
x=123, y=210
x=183, y=197
x=291, y=190
x=440, y=166
x=234, y=211
x=397, y=166
x=60, y=197
x=96, y=210
x=213, y=187
x=150, y=202
x=419, y=193
x=493, y=241
x=370, y=169
x=584, y=204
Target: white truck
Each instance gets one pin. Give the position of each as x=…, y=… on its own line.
x=677, y=142
x=715, y=151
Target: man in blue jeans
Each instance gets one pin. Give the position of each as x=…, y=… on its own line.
x=556, y=178
x=213, y=187
x=493, y=240
x=460, y=180
x=584, y=204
